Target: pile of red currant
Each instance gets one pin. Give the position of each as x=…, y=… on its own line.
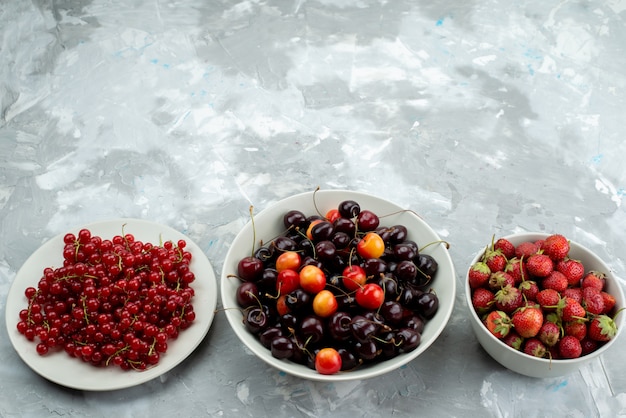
x=337, y=291
x=113, y=302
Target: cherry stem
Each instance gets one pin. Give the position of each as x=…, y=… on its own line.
x=253, y=229
x=315, y=203
x=446, y=243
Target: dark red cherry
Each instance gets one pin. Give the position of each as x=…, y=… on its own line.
x=345, y=225
x=256, y=320
x=268, y=334
x=406, y=271
x=349, y=209
x=247, y=294
x=407, y=339
x=398, y=234
x=294, y=219
x=428, y=304
x=339, y=326
x=250, y=268
x=322, y=231
x=282, y=347
x=367, y=221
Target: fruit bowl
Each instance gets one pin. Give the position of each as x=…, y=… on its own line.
x=547, y=367
x=268, y=224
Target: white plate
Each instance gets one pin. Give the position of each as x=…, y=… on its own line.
x=60, y=368
x=269, y=224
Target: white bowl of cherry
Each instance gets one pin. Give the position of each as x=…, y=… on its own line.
x=336, y=285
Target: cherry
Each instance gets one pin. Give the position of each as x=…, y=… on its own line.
x=367, y=221
x=349, y=209
x=256, y=320
x=288, y=260
x=281, y=244
x=427, y=268
x=374, y=266
x=294, y=219
x=287, y=281
x=312, y=279
x=325, y=250
x=348, y=359
x=415, y=322
x=407, y=339
x=282, y=347
x=405, y=251
x=345, y=225
x=249, y=268
x=353, y=277
x=312, y=329
x=247, y=294
x=328, y=361
x=339, y=326
x=322, y=230
x=268, y=334
x=324, y=303
x=397, y=234
x=428, y=303
x=362, y=328
x=298, y=301
x=366, y=350
x=341, y=240
x=371, y=246
x=406, y=270
x=332, y=215
x=370, y=296
x=392, y=311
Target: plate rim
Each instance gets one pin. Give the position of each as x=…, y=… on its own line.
x=111, y=378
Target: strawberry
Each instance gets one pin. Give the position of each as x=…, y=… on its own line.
x=539, y=265
x=478, y=274
x=593, y=302
x=498, y=323
x=594, y=279
x=517, y=269
x=571, y=310
x=534, y=347
x=588, y=345
x=526, y=249
x=556, y=247
x=555, y=280
x=572, y=269
x=529, y=289
x=508, y=299
x=527, y=321
x=482, y=300
x=548, y=299
x=499, y=279
x=513, y=340
x=609, y=301
x=575, y=293
x=553, y=352
x=602, y=328
x=549, y=333
x=569, y=347
x=506, y=247
x=576, y=329
x=495, y=260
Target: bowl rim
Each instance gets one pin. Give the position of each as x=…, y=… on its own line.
x=368, y=371
x=533, y=236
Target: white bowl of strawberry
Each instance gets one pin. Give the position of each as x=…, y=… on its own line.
x=337, y=285
x=542, y=305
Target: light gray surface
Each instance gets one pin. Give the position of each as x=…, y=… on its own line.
x=484, y=117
